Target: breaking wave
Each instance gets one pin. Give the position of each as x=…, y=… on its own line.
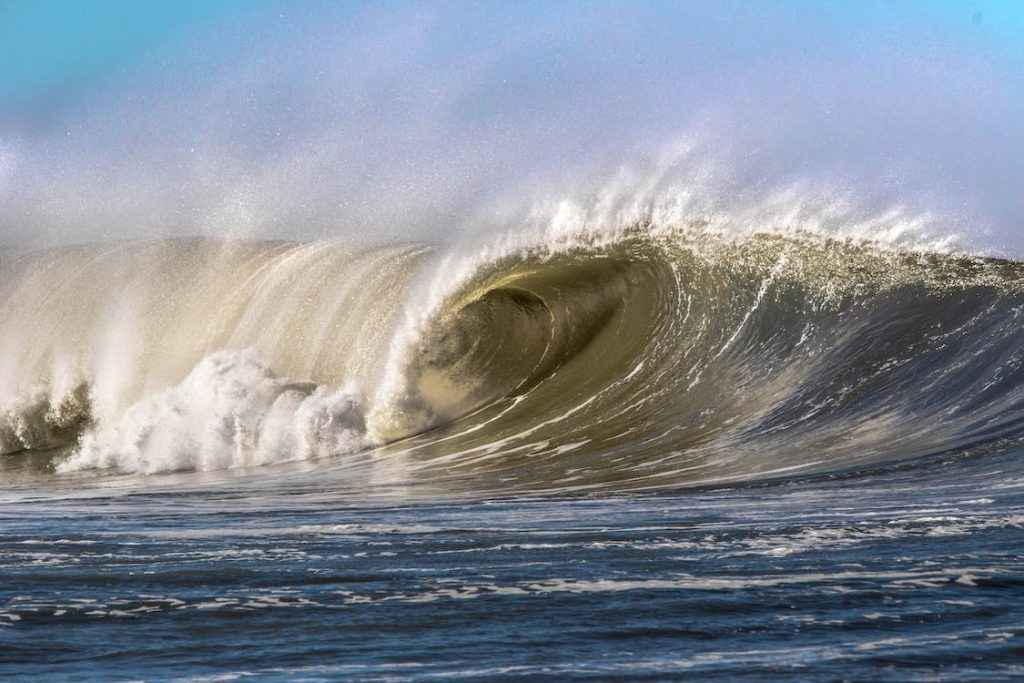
x=655, y=357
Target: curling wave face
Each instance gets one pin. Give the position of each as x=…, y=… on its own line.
x=659, y=358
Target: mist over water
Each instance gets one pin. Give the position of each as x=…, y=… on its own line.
x=441, y=120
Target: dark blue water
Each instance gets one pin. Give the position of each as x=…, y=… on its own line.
x=908, y=573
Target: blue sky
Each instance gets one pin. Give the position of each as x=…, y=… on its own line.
x=408, y=114
x=52, y=47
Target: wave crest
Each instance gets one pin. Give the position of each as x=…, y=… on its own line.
x=662, y=357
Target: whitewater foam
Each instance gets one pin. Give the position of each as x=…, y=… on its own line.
x=230, y=411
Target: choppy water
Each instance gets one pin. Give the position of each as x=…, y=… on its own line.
x=902, y=574
x=651, y=453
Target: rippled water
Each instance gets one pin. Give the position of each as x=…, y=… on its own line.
x=908, y=573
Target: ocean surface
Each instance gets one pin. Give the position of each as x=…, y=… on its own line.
x=654, y=453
